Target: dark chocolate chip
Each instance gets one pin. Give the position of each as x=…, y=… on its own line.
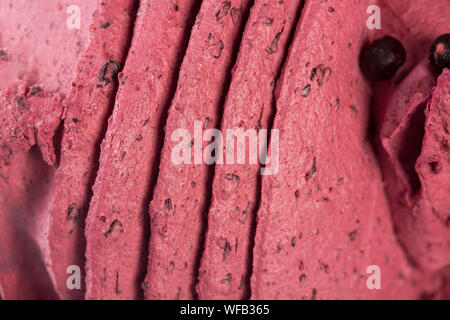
x=381, y=59
x=440, y=53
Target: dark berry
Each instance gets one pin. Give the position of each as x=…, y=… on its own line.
x=440, y=53
x=381, y=59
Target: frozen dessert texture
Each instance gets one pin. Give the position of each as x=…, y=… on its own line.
x=117, y=221
x=414, y=158
x=411, y=115
x=88, y=106
x=30, y=117
x=226, y=261
x=88, y=114
x=181, y=193
x=38, y=47
x=324, y=218
x=38, y=57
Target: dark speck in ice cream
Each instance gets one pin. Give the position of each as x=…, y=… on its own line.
x=306, y=90
x=34, y=90
x=115, y=225
x=274, y=46
x=105, y=25
x=3, y=55
x=223, y=11
x=352, y=235
x=108, y=71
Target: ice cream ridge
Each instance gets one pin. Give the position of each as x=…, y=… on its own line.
x=242, y=149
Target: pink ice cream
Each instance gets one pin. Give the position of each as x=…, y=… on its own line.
x=36, y=68
x=87, y=177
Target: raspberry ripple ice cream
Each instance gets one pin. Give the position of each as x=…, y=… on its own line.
x=412, y=117
x=39, y=55
x=87, y=179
